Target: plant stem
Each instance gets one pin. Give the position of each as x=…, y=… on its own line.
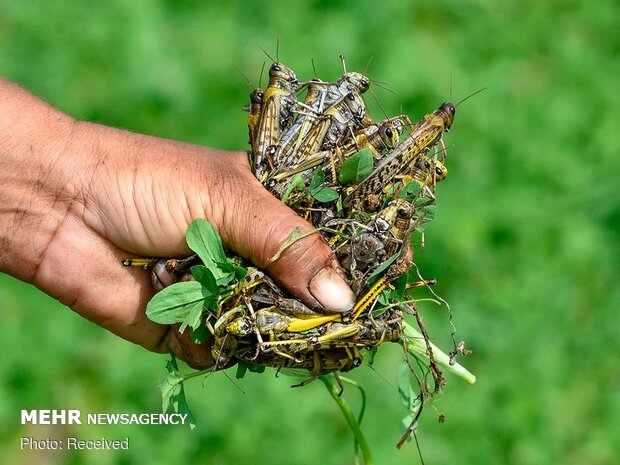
x=334, y=390
x=417, y=348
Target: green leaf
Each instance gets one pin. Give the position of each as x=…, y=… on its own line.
x=175, y=303
x=193, y=318
x=400, y=286
x=203, y=239
x=232, y=270
x=242, y=369
x=324, y=194
x=410, y=191
x=290, y=240
x=200, y=335
x=356, y=168
x=384, y=297
x=317, y=179
x=169, y=383
x=205, y=277
x=173, y=394
x=381, y=268
x=179, y=405
x=296, y=183
x=382, y=303
x=429, y=212
x=389, y=192
x=372, y=353
x=253, y=368
x=339, y=208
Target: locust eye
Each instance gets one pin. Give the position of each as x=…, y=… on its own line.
x=388, y=132
x=427, y=165
x=350, y=97
x=448, y=108
x=404, y=212
x=438, y=171
x=275, y=67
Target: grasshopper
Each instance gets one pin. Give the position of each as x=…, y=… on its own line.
x=380, y=138
x=319, y=97
x=255, y=107
x=426, y=171
x=224, y=343
x=423, y=136
x=276, y=115
x=271, y=321
x=332, y=128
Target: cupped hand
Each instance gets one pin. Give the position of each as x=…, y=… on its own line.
x=100, y=194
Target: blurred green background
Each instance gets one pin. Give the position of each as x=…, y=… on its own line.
x=525, y=247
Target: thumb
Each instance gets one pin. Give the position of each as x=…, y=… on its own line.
x=255, y=224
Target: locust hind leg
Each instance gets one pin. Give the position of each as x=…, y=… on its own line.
x=315, y=372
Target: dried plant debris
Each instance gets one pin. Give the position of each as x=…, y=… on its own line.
x=367, y=187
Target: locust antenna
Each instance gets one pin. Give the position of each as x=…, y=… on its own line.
x=234, y=384
x=470, y=96
x=344, y=65
x=247, y=79
x=264, y=51
x=316, y=75
x=367, y=65
x=260, y=77
x=379, y=103
x=383, y=85
x=380, y=82
x=379, y=374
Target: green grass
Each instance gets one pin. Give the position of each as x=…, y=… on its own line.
x=526, y=246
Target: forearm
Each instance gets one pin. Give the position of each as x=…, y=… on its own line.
x=35, y=188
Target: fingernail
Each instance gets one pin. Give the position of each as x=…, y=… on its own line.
x=331, y=291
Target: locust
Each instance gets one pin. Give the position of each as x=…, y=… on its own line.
x=276, y=115
x=329, y=129
x=320, y=97
x=300, y=143
x=379, y=138
x=427, y=133
x=271, y=320
x=255, y=108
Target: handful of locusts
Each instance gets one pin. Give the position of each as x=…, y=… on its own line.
x=366, y=186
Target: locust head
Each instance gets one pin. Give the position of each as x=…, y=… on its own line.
x=240, y=327
x=279, y=72
x=446, y=112
x=354, y=81
x=440, y=171
x=389, y=134
x=256, y=97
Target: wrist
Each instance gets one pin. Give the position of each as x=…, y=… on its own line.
x=36, y=189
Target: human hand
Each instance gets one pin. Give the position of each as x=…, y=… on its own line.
x=96, y=195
